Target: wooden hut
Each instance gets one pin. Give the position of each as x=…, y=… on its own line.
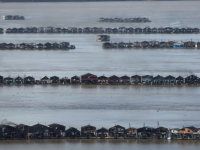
x=145, y=132
x=192, y=80
x=131, y=132
x=179, y=80
x=8, y=80
x=65, y=80
x=169, y=80
x=39, y=131
x=1, y=79
x=125, y=80
x=158, y=80
x=88, y=131
x=57, y=130
x=117, y=131
x=115, y=80
x=103, y=80
x=75, y=80
x=19, y=80
x=147, y=80
x=29, y=80
x=8, y=132
x=160, y=132
x=136, y=80
x=89, y=78
x=54, y=79
x=23, y=131
x=44, y=80
x=102, y=133
x=72, y=133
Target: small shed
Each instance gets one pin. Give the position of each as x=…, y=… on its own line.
x=39, y=131
x=136, y=80
x=44, y=80
x=179, y=80
x=57, y=130
x=8, y=80
x=19, y=80
x=115, y=80
x=169, y=80
x=125, y=80
x=147, y=80
x=29, y=80
x=192, y=80
x=158, y=80
x=88, y=131
x=103, y=80
x=1, y=79
x=117, y=131
x=89, y=78
x=102, y=132
x=54, y=79
x=75, y=80
x=72, y=133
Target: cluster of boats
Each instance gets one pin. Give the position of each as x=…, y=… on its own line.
x=88, y=78
x=62, y=45
x=13, y=17
x=120, y=30
x=128, y=20
x=58, y=131
x=152, y=44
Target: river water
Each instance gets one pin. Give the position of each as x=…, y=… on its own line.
x=106, y=106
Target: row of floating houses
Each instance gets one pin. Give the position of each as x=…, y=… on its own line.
x=13, y=17
x=120, y=30
x=57, y=131
x=128, y=20
x=62, y=45
x=89, y=78
x=152, y=44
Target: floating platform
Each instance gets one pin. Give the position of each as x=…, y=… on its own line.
x=125, y=20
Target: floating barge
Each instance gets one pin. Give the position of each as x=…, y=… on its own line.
x=126, y=20
x=13, y=17
x=91, y=79
x=32, y=46
x=96, y=30
x=152, y=44
x=58, y=131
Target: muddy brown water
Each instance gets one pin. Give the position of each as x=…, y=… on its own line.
x=106, y=106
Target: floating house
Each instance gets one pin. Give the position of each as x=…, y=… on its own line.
x=169, y=80
x=39, y=131
x=8, y=80
x=138, y=30
x=131, y=132
x=29, y=80
x=65, y=80
x=64, y=45
x=145, y=132
x=57, y=130
x=154, y=30
x=44, y=80
x=158, y=80
x=49, y=29
x=147, y=80
x=160, y=132
x=147, y=30
x=19, y=80
x=8, y=132
x=117, y=131
x=187, y=132
x=103, y=38
x=1, y=30
x=179, y=80
x=47, y=45
x=114, y=80
x=23, y=131
x=88, y=131
x=102, y=133
x=75, y=80
x=1, y=79
x=39, y=46
x=107, y=45
x=168, y=30
x=72, y=133
x=125, y=80
x=13, y=17
x=103, y=80
x=55, y=46
x=136, y=80
x=192, y=80
x=189, y=44
x=31, y=46
x=89, y=78
x=178, y=44
x=54, y=79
